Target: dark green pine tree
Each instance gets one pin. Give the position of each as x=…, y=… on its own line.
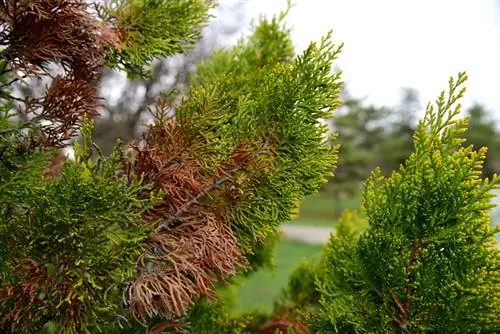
x=483, y=132
x=397, y=144
x=360, y=131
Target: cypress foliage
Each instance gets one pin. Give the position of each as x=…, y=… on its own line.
x=146, y=239
x=427, y=261
x=149, y=29
x=421, y=258
x=149, y=237
x=242, y=151
x=68, y=243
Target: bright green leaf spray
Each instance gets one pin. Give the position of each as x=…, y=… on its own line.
x=427, y=262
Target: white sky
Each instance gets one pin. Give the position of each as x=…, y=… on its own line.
x=390, y=44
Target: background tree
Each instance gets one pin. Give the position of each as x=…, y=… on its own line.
x=369, y=137
x=400, y=126
x=483, y=133
x=360, y=131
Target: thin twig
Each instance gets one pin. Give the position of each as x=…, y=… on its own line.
x=195, y=200
x=403, y=312
x=7, y=96
x=401, y=319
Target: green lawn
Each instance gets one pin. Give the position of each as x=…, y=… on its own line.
x=330, y=223
x=259, y=291
x=319, y=210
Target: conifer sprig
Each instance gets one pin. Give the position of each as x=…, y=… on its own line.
x=427, y=262
x=151, y=29
x=240, y=153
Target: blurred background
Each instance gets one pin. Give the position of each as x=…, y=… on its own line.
x=398, y=56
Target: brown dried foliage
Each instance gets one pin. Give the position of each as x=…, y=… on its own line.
x=66, y=102
x=35, y=295
x=61, y=31
x=64, y=32
x=193, y=247
x=181, y=265
x=23, y=301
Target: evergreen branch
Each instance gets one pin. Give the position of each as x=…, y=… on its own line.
x=402, y=317
x=393, y=317
x=415, y=252
x=215, y=185
x=185, y=208
x=404, y=308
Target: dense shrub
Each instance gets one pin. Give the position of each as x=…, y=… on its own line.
x=148, y=235
x=422, y=258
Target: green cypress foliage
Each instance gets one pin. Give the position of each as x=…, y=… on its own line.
x=427, y=262
x=258, y=93
x=149, y=237
x=69, y=243
x=252, y=123
x=151, y=29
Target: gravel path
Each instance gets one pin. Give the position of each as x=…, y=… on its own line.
x=319, y=235
x=312, y=234
x=309, y=234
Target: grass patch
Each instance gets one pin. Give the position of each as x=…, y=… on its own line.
x=319, y=210
x=260, y=290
